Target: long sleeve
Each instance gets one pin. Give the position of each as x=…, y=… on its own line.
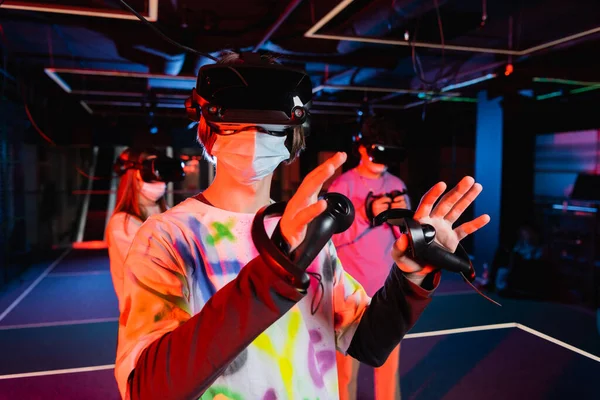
x=393, y=311
x=370, y=328
x=165, y=352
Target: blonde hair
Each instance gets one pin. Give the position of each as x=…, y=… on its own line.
x=295, y=141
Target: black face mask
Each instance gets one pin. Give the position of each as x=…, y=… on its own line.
x=386, y=155
x=162, y=169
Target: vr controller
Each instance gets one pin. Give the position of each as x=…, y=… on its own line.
x=338, y=217
x=371, y=198
x=423, y=249
x=422, y=246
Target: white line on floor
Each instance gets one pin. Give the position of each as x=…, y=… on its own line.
x=34, y=284
x=558, y=342
x=67, y=274
x=58, y=372
x=461, y=330
x=409, y=336
x=59, y=323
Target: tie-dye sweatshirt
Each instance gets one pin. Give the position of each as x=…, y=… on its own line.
x=205, y=317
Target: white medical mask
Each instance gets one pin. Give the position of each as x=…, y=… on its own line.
x=249, y=156
x=153, y=191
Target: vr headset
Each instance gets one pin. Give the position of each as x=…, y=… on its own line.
x=154, y=169
x=382, y=153
x=255, y=93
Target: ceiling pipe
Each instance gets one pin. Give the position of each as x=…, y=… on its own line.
x=162, y=62
x=333, y=112
x=312, y=33
x=326, y=79
x=381, y=106
x=286, y=13
x=335, y=104
x=481, y=70
x=376, y=21
x=380, y=19
x=380, y=89
x=348, y=78
x=491, y=66
x=201, y=61
x=355, y=105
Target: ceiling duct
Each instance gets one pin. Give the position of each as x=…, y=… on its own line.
x=380, y=18
x=202, y=61
x=160, y=62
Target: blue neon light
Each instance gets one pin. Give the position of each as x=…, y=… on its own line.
x=574, y=208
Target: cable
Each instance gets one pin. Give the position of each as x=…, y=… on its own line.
x=441, y=28
x=479, y=291
x=417, y=66
x=165, y=37
x=176, y=44
x=35, y=126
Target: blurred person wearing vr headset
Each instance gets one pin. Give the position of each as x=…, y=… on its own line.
x=364, y=249
x=141, y=193
x=206, y=316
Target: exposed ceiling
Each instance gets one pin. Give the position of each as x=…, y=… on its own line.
x=393, y=54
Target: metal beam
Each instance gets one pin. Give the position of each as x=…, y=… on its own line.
x=151, y=14
x=312, y=34
x=382, y=90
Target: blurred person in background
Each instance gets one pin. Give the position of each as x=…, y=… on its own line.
x=136, y=201
x=363, y=249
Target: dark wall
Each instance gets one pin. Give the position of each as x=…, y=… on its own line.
x=517, y=205
x=524, y=119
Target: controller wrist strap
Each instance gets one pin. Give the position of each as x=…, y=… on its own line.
x=275, y=250
x=280, y=242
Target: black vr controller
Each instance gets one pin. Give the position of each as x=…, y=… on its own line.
x=423, y=249
x=372, y=197
x=337, y=217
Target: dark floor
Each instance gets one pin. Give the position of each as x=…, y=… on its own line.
x=58, y=338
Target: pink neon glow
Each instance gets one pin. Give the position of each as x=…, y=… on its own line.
x=588, y=137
